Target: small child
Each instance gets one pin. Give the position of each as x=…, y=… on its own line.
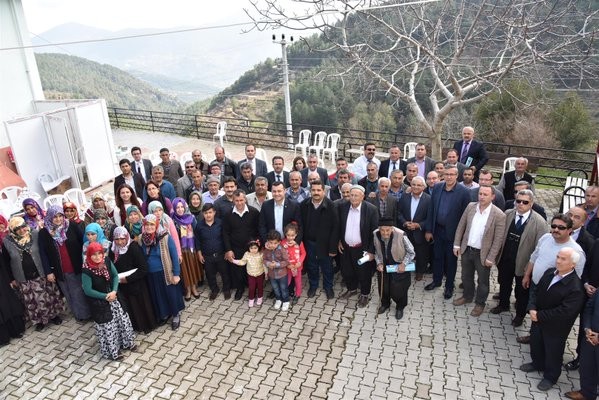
x=297, y=255
x=276, y=259
x=255, y=270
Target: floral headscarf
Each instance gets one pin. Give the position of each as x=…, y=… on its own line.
x=72, y=206
x=58, y=232
x=100, y=268
x=101, y=213
x=23, y=241
x=134, y=229
x=120, y=233
x=35, y=222
x=165, y=219
x=151, y=239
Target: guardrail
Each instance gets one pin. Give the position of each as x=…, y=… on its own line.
x=553, y=163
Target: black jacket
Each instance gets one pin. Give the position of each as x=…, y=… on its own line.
x=291, y=212
x=321, y=226
x=74, y=244
x=369, y=222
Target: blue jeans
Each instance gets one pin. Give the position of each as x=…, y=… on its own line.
x=280, y=288
x=445, y=262
x=314, y=264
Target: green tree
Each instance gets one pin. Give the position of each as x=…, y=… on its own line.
x=572, y=123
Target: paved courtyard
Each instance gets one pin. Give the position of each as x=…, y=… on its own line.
x=319, y=349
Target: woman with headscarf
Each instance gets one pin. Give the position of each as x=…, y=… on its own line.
x=163, y=271
x=108, y=226
x=3, y=228
x=100, y=284
x=98, y=203
x=134, y=223
x=133, y=289
x=154, y=194
x=95, y=233
x=124, y=197
x=34, y=215
x=191, y=270
x=71, y=212
x=21, y=251
x=195, y=205
x=12, y=324
x=167, y=223
x=62, y=242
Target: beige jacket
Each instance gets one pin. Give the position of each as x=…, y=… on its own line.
x=492, y=237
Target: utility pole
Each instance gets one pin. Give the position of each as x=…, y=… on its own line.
x=283, y=44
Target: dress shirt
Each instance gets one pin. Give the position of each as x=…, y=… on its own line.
x=252, y=200
x=464, y=153
x=245, y=210
x=557, y=277
x=209, y=238
x=477, y=228
x=352, y=226
x=525, y=217
x=421, y=164
x=393, y=165
x=208, y=199
x=414, y=205
x=574, y=235
x=131, y=182
x=139, y=168
x=299, y=196
x=279, y=208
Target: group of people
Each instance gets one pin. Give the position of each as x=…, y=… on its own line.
x=175, y=226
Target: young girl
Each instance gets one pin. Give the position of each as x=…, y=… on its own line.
x=34, y=215
x=276, y=259
x=72, y=214
x=255, y=269
x=94, y=233
x=297, y=255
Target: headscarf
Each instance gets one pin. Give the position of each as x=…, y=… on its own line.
x=97, y=229
x=90, y=211
x=100, y=268
x=185, y=220
x=22, y=241
x=120, y=233
x=33, y=222
x=134, y=229
x=70, y=205
x=3, y=233
x=192, y=209
x=165, y=219
x=101, y=213
x=151, y=239
x=58, y=232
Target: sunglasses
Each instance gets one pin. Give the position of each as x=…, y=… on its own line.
x=525, y=202
x=560, y=227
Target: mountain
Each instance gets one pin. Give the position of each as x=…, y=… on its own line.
x=71, y=77
x=186, y=91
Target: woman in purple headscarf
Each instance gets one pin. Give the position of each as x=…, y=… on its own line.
x=191, y=270
x=34, y=215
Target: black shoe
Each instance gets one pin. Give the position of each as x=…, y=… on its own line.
x=461, y=286
x=498, y=310
x=382, y=309
x=517, y=321
x=528, y=367
x=227, y=294
x=238, y=294
x=175, y=325
x=132, y=348
x=39, y=327
x=432, y=286
x=295, y=300
x=56, y=320
x=496, y=296
x=572, y=365
x=398, y=313
x=119, y=357
x=545, y=385
x=330, y=294
x=213, y=295
x=363, y=301
x=349, y=293
x=311, y=293
x=163, y=321
x=448, y=294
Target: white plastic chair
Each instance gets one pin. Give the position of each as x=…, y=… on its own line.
x=79, y=163
x=173, y=156
x=509, y=164
x=304, y=142
x=318, y=145
x=49, y=183
x=185, y=157
x=261, y=154
x=11, y=193
x=27, y=194
x=154, y=157
x=331, y=147
x=409, y=150
x=221, y=132
x=54, y=200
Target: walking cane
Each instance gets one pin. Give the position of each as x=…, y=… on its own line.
x=381, y=292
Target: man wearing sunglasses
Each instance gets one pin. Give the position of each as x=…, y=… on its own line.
x=522, y=185
x=359, y=167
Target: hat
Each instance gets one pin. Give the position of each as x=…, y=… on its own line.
x=97, y=195
x=213, y=179
x=386, y=221
x=358, y=187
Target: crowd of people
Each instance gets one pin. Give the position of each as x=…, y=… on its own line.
x=133, y=266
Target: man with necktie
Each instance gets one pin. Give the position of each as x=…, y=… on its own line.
x=393, y=163
x=472, y=152
x=277, y=174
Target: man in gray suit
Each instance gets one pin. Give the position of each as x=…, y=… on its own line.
x=383, y=201
x=424, y=163
x=478, y=240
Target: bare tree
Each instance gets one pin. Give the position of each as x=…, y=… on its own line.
x=439, y=55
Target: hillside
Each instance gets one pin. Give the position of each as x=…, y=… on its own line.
x=71, y=77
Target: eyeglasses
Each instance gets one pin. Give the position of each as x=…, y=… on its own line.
x=560, y=227
x=525, y=202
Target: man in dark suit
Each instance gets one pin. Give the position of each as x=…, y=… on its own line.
x=385, y=203
x=343, y=176
x=472, y=152
x=424, y=163
x=313, y=166
x=509, y=179
x=392, y=163
x=523, y=185
x=228, y=167
x=553, y=307
x=412, y=215
x=129, y=177
x=486, y=178
x=453, y=160
x=357, y=221
x=277, y=174
x=259, y=167
x=140, y=165
x=448, y=202
x=269, y=218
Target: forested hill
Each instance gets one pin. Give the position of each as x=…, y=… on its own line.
x=70, y=77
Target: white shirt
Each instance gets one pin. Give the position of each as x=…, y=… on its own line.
x=279, y=209
x=245, y=210
x=414, y=205
x=391, y=167
x=477, y=227
x=142, y=170
x=525, y=217
x=352, y=226
x=359, y=166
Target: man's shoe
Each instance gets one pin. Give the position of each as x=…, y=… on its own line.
x=382, y=309
x=572, y=365
x=278, y=304
x=496, y=296
x=461, y=301
x=349, y=293
x=575, y=395
x=523, y=339
x=227, y=294
x=56, y=320
x=461, y=286
x=528, y=367
x=238, y=294
x=363, y=301
x=477, y=310
x=399, y=313
x=330, y=294
x=419, y=277
x=517, y=321
x=498, y=310
x=448, y=294
x=432, y=286
x=213, y=295
x=175, y=325
x=311, y=293
x=39, y=327
x=545, y=385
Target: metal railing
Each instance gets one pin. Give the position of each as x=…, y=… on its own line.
x=551, y=164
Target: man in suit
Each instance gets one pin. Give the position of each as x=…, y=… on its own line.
x=321, y=235
x=277, y=174
x=385, y=203
x=142, y=166
x=130, y=178
x=553, y=307
x=478, y=241
x=448, y=202
x=392, y=163
x=359, y=167
x=277, y=212
x=172, y=168
x=591, y=206
x=486, y=178
x=341, y=164
x=313, y=167
x=424, y=163
x=524, y=228
x=432, y=178
x=472, y=152
x=228, y=167
x=536, y=207
x=453, y=160
x=186, y=181
x=508, y=181
x=343, y=176
x=357, y=220
x=371, y=181
x=259, y=167
x=412, y=215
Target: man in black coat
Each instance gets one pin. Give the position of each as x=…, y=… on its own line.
x=268, y=216
x=258, y=166
x=313, y=166
x=553, y=307
x=321, y=235
x=392, y=163
x=357, y=221
x=127, y=176
x=509, y=179
x=142, y=166
x=277, y=174
x=472, y=152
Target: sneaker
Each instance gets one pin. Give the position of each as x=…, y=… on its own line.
x=259, y=301
x=251, y=303
x=285, y=306
x=278, y=304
